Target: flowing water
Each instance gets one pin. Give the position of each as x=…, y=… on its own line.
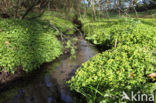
x=48, y=84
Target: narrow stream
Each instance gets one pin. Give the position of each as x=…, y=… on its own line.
x=49, y=85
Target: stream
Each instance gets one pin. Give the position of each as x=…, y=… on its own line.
x=48, y=84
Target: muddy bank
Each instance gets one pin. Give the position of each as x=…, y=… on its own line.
x=48, y=84
x=6, y=77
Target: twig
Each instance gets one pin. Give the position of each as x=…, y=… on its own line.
x=61, y=34
x=116, y=41
x=123, y=11
x=78, y=31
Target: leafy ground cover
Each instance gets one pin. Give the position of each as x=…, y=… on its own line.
x=125, y=31
x=26, y=44
x=104, y=77
x=65, y=26
x=124, y=67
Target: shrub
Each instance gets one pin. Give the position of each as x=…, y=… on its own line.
x=105, y=76
x=26, y=44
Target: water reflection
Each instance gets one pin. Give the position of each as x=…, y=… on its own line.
x=48, y=82
x=50, y=85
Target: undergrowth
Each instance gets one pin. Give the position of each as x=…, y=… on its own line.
x=65, y=26
x=124, y=31
x=26, y=44
x=104, y=77
x=124, y=67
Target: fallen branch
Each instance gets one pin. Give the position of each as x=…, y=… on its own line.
x=78, y=31
x=61, y=34
x=116, y=41
x=152, y=76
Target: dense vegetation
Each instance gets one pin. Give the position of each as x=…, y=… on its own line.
x=124, y=32
x=33, y=32
x=124, y=67
x=63, y=25
x=26, y=44
x=104, y=77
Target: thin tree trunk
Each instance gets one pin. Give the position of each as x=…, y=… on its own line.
x=119, y=5
x=108, y=4
x=93, y=9
x=136, y=13
x=134, y=9
x=16, y=9
x=30, y=8
x=78, y=7
x=27, y=12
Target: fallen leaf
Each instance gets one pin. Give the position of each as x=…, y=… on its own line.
x=152, y=75
x=7, y=42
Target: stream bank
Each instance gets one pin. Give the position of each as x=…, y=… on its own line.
x=48, y=84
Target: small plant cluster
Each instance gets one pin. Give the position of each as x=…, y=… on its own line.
x=104, y=77
x=63, y=25
x=26, y=44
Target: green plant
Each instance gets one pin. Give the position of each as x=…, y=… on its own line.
x=65, y=26
x=26, y=44
x=123, y=31
x=133, y=34
x=71, y=47
x=105, y=76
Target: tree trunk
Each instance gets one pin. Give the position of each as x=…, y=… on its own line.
x=119, y=7
x=93, y=9
x=134, y=9
x=16, y=9
x=27, y=12
x=78, y=7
